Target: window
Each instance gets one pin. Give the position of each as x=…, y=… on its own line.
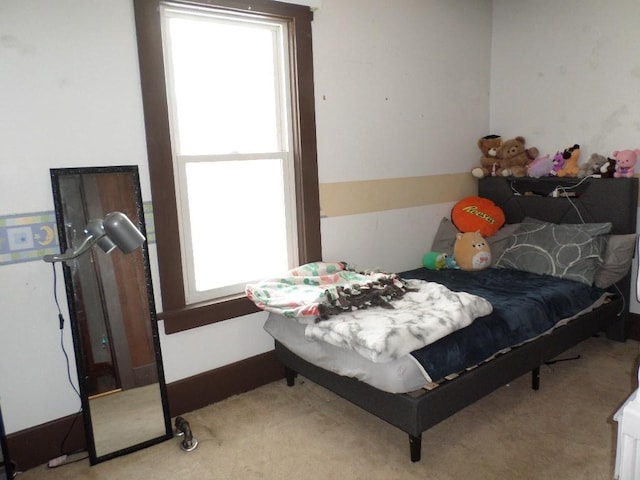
x=228, y=98
x=230, y=130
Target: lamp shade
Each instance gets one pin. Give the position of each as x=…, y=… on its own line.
x=122, y=231
x=95, y=229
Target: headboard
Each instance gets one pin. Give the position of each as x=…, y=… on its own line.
x=590, y=200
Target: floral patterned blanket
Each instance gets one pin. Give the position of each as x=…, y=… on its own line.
x=317, y=290
x=380, y=316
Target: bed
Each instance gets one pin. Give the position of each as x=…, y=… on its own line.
x=413, y=397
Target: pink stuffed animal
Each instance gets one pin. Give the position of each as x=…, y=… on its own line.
x=625, y=162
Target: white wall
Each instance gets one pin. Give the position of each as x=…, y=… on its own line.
x=70, y=97
x=567, y=72
x=401, y=87
x=402, y=90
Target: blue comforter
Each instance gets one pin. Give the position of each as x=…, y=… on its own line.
x=525, y=305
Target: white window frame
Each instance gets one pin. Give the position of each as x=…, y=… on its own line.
x=284, y=152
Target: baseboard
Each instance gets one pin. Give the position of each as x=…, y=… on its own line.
x=209, y=387
x=37, y=445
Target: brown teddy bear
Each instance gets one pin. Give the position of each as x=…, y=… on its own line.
x=488, y=164
x=514, y=157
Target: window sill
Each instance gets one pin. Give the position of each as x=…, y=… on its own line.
x=193, y=316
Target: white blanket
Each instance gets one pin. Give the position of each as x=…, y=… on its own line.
x=417, y=319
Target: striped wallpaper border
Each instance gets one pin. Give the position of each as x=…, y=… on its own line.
x=28, y=237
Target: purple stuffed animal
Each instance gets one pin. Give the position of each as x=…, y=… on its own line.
x=540, y=167
x=558, y=163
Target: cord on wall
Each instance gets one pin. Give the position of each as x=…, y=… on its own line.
x=65, y=458
x=61, y=327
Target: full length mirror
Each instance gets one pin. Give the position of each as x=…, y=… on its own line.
x=113, y=316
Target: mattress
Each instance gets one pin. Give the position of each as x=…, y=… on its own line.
x=519, y=316
x=398, y=376
x=525, y=306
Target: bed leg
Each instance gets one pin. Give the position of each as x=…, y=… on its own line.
x=415, y=446
x=535, y=378
x=617, y=331
x=290, y=376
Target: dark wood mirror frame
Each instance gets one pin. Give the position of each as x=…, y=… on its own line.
x=6, y=465
x=113, y=189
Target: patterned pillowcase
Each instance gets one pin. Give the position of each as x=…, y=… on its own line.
x=572, y=251
x=501, y=240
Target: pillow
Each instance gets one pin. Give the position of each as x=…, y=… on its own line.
x=617, y=260
x=477, y=214
x=500, y=240
x=572, y=251
x=445, y=238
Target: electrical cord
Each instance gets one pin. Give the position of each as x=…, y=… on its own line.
x=571, y=187
x=61, y=326
x=565, y=189
x=66, y=356
x=66, y=459
x=624, y=300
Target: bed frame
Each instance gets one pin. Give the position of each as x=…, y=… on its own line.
x=596, y=200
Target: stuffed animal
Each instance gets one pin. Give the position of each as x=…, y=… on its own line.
x=471, y=251
x=477, y=214
x=571, y=156
x=592, y=166
x=609, y=168
x=488, y=163
x=438, y=261
x=514, y=157
x=558, y=163
x=625, y=162
x=540, y=167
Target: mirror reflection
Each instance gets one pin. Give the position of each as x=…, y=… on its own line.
x=112, y=311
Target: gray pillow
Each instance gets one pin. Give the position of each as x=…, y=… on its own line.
x=500, y=240
x=445, y=237
x=572, y=251
x=617, y=260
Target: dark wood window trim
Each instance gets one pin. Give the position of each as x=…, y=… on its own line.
x=176, y=314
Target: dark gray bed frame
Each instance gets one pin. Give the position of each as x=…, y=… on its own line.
x=597, y=200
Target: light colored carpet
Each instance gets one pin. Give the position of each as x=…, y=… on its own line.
x=563, y=431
